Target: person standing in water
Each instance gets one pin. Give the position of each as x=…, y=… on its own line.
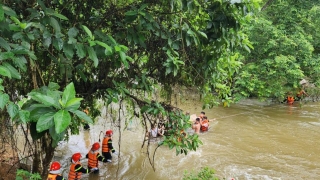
x=76, y=168
x=204, y=124
x=55, y=171
x=107, y=147
x=94, y=157
x=196, y=126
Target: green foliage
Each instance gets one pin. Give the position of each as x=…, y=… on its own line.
x=116, y=51
x=285, y=51
x=205, y=174
x=22, y=175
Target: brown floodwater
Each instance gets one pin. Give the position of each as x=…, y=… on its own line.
x=250, y=140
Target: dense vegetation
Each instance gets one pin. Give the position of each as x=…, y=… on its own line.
x=57, y=57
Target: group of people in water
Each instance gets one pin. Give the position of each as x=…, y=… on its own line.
x=291, y=98
x=201, y=123
x=76, y=169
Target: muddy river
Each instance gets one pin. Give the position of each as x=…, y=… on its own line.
x=249, y=140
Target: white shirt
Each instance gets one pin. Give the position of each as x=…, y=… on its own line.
x=154, y=132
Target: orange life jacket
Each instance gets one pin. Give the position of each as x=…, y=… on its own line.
x=290, y=99
x=73, y=175
x=105, y=147
x=92, y=159
x=204, y=125
x=52, y=176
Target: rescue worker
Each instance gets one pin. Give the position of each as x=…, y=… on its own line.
x=76, y=168
x=107, y=147
x=204, y=124
x=300, y=94
x=94, y=157
x=55, y=171
x=290, y=98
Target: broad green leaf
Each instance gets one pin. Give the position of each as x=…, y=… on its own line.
x=44, y=99
x=53, y=86
x=87, y=30
x=5, y=71
x=83, y=116
x=4, y=99
x=45, y=122
x=6, y=55
x=68, y=93
x=68, y=50
x=24, y=116
x=73, y=107
x=62, y=120
x=14, y=73
x=21, y=62
x=55, y=24
x=4, y=44
x=124, y=59
x=93, y=56
x=73, y=101
x=73, y=32
x=8, y=11
x=12, y=109
x=80, y=50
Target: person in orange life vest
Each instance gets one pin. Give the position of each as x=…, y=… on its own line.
x=76, y=168
x=55, y=171
x=290, y=98
x=94, y=157
x=204, y=124
x=107, y=147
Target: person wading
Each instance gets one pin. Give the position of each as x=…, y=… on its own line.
x=55, y=171
x=76, y=168
x=107, y=147
x=94, y=157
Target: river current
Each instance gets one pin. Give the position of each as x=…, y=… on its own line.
x=250, y=140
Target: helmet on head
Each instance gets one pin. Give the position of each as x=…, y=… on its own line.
x=95, y=146
x=55, y=166
x=109, y=132
x=76, y=157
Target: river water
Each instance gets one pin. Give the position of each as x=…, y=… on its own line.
x=249, y=140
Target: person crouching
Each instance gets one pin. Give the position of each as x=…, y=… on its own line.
x=94, y=157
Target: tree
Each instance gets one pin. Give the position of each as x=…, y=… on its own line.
x=285, y=50
x=55, y=54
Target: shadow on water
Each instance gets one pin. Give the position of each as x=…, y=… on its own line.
x=249, y=140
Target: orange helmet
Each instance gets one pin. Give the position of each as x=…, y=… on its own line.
x=76, y=157
x=55, y=166
x=95, y=146
x=109, y=132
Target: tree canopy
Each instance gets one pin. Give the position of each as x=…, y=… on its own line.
x=58, y=57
